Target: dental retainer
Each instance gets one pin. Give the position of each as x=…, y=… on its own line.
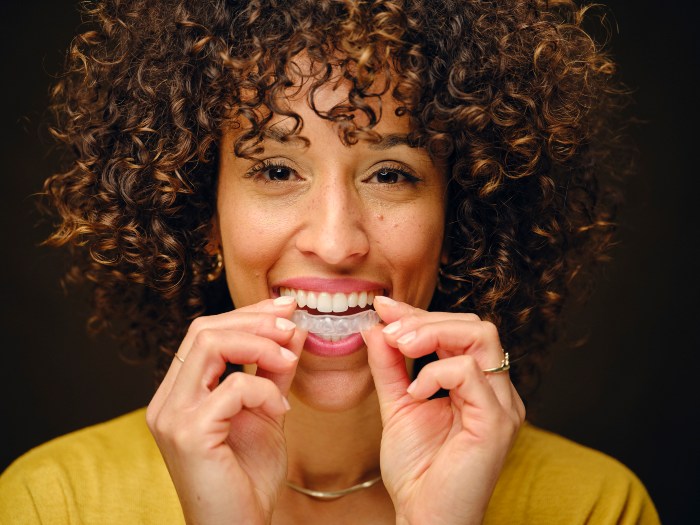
x=335, y=325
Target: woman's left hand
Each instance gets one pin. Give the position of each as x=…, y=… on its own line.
x=441, y=458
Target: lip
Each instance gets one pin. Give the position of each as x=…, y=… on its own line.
x=324, y=348
x=317, y=345
x=319, y=284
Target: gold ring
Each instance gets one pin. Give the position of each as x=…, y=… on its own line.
x=505, y=365
x=179, y=358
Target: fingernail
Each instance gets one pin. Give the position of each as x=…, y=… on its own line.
x=411, y=387
x=362, y=334
x=284, y=300
x=406, y=338
x=392, y=328
x=288, y=354
x=286, y=403
x=284, y=324
x=384, y=300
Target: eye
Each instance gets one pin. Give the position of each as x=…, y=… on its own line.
x=268, y=171
x=277, y=173
x=392, y=175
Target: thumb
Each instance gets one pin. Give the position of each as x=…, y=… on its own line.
x=388, y=367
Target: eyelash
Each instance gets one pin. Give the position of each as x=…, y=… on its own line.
x=258, y=171
x=409, y=178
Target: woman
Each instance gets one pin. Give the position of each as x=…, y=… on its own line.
x=239, y=165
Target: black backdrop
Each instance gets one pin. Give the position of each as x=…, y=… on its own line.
x=630, y=391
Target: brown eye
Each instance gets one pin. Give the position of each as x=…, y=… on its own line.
x=386, y=176
x=389, y=175
x=269, y=171
x=278, y=173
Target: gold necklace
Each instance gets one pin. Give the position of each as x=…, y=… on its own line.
x=333, y=494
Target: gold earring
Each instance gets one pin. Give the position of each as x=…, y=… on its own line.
x=218, y=268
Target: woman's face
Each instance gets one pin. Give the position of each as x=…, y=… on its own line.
x=333, y=219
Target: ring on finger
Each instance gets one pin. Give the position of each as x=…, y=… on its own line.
x=504, y=367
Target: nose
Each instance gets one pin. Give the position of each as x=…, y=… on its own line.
x=334, y=228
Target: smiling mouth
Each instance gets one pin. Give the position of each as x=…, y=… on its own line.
x=316, y=311
x=332, y=302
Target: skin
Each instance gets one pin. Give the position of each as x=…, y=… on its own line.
x=331, y=218
x=331, y=212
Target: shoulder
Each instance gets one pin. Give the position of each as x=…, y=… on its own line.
x=550, y=479
x=112, y=469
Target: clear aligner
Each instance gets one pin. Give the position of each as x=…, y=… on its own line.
x=335, y=325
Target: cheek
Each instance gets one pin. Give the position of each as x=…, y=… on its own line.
x=253, y=240
x=248, y=225
x=416, y=232
x=412, y=244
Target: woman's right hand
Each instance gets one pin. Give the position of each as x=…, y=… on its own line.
x=224, y=443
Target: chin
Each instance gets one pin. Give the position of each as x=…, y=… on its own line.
x=332, y=388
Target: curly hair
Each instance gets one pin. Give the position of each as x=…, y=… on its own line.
x=514, y=96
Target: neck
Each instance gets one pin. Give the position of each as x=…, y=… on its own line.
x=333, y=450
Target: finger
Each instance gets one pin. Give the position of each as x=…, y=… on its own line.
x=263, y=318
x=210, y=419
x=269, y=321
x=388, y=367
x=275, y=306
x=392, y=311
x=237, y=392
x=453, y=338
x=284, y=379
x=450, y=337
x=213, y=349
x=461, y=375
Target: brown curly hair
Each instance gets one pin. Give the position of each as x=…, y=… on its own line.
x=514, y=95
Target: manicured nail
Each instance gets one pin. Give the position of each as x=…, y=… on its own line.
x=392, y=328
x=288, y=354
x=284, y=324
x=284, y=300
x=385, y=301
x=411, y=387
x=406, y=338
x=286, y=403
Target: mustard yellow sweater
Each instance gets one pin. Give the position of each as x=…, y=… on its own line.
x=113, y=473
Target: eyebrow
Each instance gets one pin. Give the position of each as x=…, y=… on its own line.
x=386, y=142
x=278, y=134
x=390, y=141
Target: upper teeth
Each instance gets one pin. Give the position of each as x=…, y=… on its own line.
x=326, y=302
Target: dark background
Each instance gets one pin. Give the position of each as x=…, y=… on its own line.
x=629, y=391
